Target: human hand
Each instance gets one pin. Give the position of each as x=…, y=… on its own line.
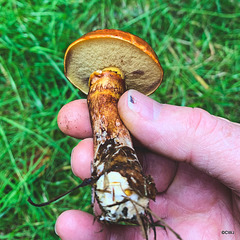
x=201, y=195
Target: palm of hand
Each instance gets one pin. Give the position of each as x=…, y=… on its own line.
x=194, y=204
x=197, y=206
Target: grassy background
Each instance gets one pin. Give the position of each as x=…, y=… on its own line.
x=198, y=45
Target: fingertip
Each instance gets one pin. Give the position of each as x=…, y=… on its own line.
x=140, y=115
x=81, y=158
x=73, y=119
x=75, y=224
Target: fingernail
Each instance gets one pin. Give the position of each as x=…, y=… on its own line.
x=144, y=106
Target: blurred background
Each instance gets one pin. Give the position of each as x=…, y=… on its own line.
x=198, y=44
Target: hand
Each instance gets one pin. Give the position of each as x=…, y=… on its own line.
x=202, y=191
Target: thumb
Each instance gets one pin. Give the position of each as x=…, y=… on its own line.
x=192, y=135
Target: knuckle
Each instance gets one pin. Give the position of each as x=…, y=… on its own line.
x=200, y=123
x=200, y=126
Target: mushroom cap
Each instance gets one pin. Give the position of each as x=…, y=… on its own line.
x=113, y=48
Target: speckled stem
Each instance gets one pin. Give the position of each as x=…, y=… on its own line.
x=106, y=87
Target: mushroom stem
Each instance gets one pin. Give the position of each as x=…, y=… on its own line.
x=116, y=168
x=106, y=87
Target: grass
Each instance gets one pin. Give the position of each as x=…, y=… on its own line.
x=197, y=43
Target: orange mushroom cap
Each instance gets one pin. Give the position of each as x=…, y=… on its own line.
x=113, y=48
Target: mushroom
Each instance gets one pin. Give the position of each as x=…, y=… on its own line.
x=104, y=64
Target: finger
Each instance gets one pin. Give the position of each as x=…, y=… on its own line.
x=75, y=224
x=81, y=158
x=73, y=119
x=185, y=134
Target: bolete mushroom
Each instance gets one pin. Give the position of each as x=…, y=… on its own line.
x=104, y=64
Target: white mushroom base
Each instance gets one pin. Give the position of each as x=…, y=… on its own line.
x=113, y=190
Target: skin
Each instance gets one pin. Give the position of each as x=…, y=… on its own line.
x=193, y=157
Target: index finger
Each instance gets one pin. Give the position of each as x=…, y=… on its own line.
x=73, y=119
